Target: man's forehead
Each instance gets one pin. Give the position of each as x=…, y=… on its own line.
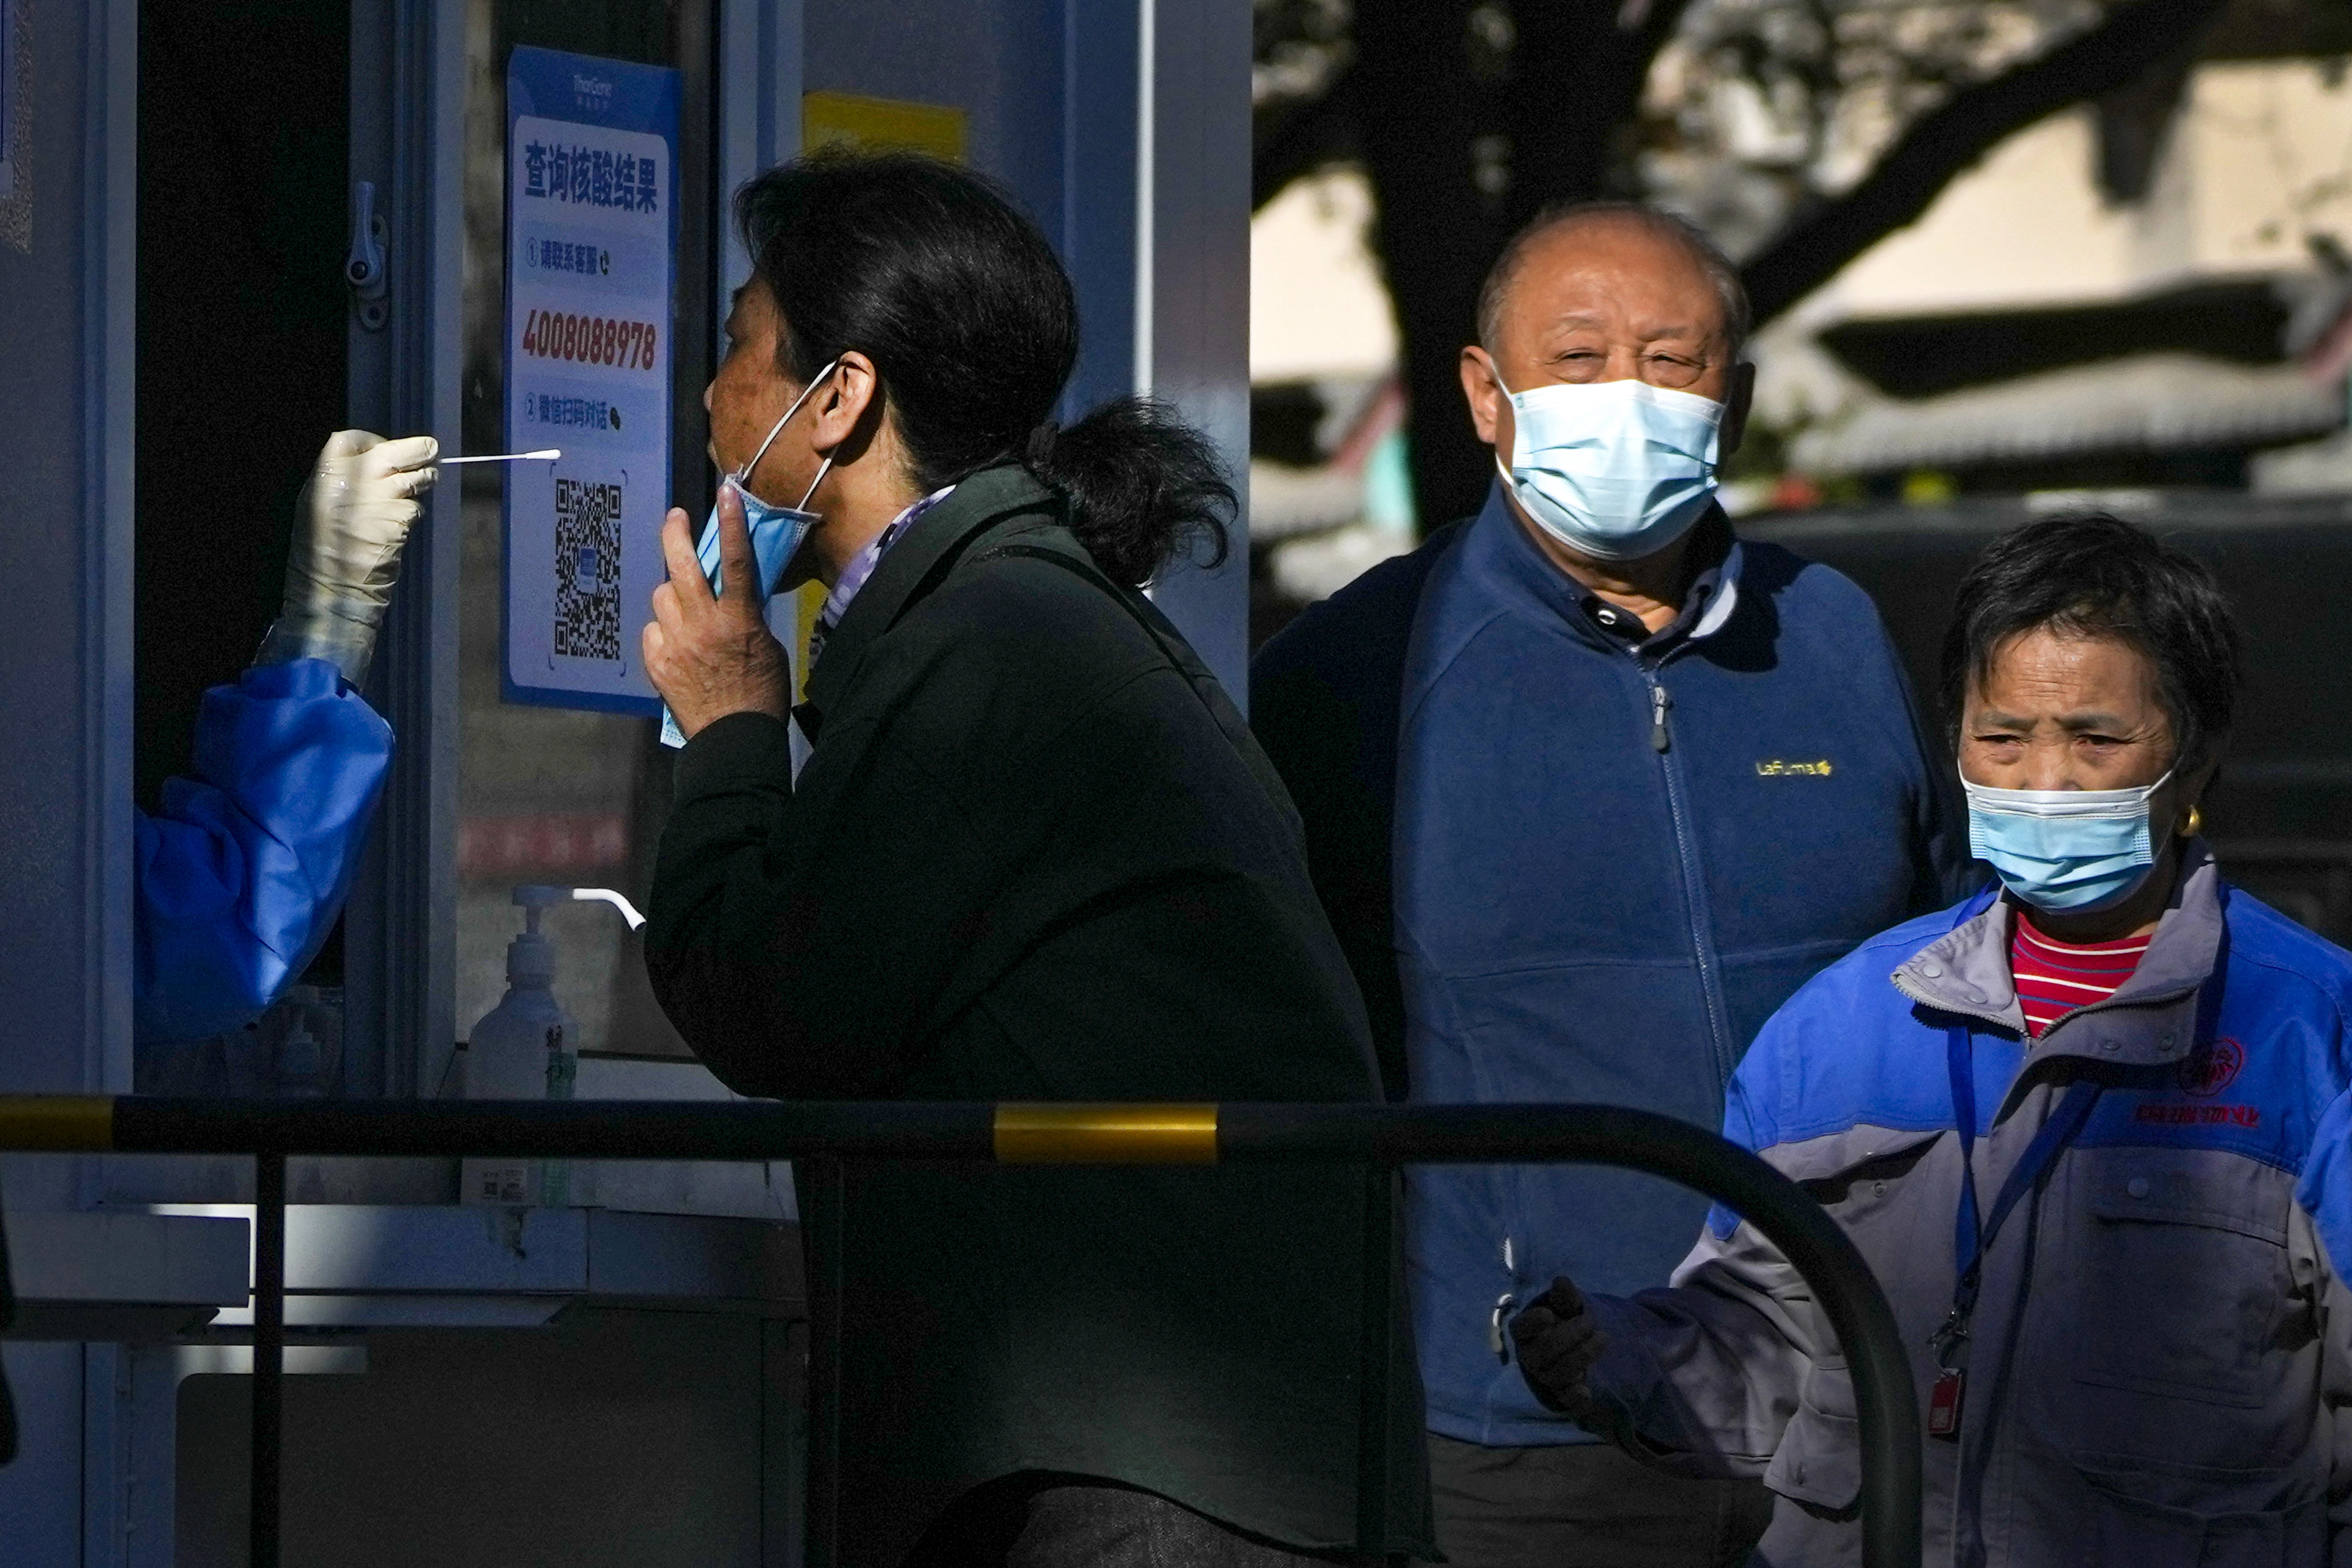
x=1701, y=320
x=1586, y=270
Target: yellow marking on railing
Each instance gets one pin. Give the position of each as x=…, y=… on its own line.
x=1056, y=1134
x=57, y=1123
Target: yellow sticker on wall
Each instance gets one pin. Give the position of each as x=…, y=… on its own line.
x=830, y=119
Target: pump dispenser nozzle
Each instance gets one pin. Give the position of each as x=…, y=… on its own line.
x=535, y=897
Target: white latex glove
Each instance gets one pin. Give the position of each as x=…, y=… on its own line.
x=349, y=525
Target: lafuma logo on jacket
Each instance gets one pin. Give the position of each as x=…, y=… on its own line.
x=1780, y=768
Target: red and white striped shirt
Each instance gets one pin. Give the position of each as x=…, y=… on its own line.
x=2054, y=978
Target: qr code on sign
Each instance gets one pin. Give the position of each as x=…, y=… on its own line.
x=587, y=570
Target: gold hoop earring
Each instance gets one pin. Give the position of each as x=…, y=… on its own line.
x=2195, y=825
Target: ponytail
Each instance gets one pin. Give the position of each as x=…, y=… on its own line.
x=1142, y=486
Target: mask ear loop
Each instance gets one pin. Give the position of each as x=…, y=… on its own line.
x=810, y=494
x=743, y=473
x=1509, y=397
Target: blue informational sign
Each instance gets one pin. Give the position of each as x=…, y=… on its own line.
x=591, y=281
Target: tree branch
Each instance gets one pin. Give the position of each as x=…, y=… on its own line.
x=1950, y=137
x=1298, y=141
x=1576, y=88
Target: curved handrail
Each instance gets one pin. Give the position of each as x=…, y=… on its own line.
x=1886, y=1399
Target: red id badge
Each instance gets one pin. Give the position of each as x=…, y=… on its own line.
x=1944, y=1406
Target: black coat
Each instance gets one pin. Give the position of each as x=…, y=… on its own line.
x=1037, y=856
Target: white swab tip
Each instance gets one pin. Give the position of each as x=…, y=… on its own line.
x=548, y=456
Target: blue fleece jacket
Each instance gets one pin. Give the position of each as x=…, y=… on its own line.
x=1612, y=863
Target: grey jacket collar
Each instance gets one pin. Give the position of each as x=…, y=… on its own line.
x=2149, y=1019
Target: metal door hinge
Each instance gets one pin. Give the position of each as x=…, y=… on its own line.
x=364, y=269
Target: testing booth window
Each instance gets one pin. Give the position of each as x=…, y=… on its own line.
x=588, y=330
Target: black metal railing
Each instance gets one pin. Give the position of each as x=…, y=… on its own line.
x=826, y=1135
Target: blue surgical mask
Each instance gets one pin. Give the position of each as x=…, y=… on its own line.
x=2067, y=850
x=1613, y=469
x=777, y=531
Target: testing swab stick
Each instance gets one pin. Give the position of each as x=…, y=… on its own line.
x=548, y=456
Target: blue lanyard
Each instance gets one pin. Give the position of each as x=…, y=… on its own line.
x=1973, y=1236
x=1970, y=1238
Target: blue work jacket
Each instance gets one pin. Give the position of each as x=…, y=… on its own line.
x=238, y=878
x=1607, y=865
x=2159, y=1363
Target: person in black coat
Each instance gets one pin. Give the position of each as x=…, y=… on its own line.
x=1016, y=844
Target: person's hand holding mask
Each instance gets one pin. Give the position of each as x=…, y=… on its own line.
x=710, y=655
x=350, y=526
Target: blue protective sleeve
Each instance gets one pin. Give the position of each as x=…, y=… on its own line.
x=238, y=879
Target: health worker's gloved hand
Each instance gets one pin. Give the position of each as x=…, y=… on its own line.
x=349, y=525
x=1558, y=1343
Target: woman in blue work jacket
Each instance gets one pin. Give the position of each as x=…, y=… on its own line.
x=240, y=875
x=2090, y=1128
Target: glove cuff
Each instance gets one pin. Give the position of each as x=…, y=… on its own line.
x=347, y=641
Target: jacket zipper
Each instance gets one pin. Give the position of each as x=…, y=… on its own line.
x=1718, y=1026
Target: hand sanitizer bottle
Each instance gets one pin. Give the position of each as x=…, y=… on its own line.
x=526, y=1048
x=507, y=1054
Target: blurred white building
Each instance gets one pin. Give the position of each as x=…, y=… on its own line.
x=1329, y=495
x=2041, y=324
